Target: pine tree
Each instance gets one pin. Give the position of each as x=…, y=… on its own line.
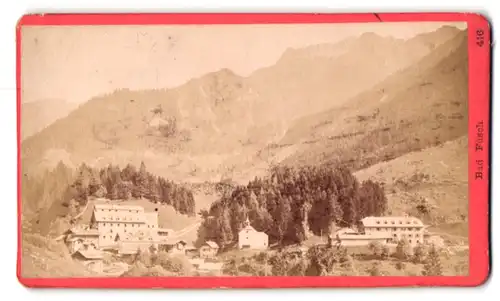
x=432, y=266
x=81, y=188
x=152, y=189
x=141, y=182
x=284, y=216
x=226, y=235
x=94, y=184
x=124, y=190
x=114, y=193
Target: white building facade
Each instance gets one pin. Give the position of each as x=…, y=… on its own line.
x=396, y=228
x=249, y=238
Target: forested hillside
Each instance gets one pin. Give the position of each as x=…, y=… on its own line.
x=291, y=203
x=63, y=191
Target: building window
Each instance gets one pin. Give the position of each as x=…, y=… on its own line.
x=395, y=235
x=378, y=222
x=385, y=222
x=393, y=229
x=378, y=229
x=393, y=222
x=418, y=241
x=409, y=235
x=409, y=241
x=400, y=222
x=416, y=235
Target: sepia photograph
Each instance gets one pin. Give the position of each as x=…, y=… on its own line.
x=244, y=150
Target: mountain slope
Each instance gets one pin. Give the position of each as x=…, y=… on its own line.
x=438, y=175
x=421, y=106
x=39, y=114
x=212, y=126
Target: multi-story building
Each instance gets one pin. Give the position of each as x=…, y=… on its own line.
x=116, y=223
x=397, y=228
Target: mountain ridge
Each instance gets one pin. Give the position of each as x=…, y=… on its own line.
x=244, y=113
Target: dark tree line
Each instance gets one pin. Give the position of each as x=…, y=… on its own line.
x=50, y=194
x=123, y=184
x=290, y=203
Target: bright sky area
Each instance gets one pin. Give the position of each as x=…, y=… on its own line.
x=75, y=63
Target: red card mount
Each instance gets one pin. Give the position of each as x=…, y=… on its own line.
x=478, y=39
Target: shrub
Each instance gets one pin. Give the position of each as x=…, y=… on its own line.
x=419, y=253
x=374, y=270
x=400, y=265
x=432, y=266
x=376, y=248
x=386, y=253
x=403, y=250
x=179, y=265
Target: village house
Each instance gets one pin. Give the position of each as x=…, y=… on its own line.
x=92, y=259
x=164, y=234
x=249, y=238
x=209, y=249
x=130, y=243
x=81, y=237
x=397, y=228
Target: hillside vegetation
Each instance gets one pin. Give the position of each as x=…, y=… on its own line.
x=421, y=106
x=291, y=204
x=54, y=199
x=431, y=184
x=212, y=126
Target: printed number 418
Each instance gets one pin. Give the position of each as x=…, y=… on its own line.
x=480, y=37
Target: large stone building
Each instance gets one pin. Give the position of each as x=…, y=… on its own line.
x=249, y=238
x=115, y=222
x=396, y=228
x=124, y=229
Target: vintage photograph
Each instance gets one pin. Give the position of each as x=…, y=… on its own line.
x=244, y=150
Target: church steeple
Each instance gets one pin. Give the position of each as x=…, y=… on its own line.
x=247, y=223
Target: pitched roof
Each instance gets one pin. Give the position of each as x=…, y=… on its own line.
x=212, y=244
x=391, y=221
x=119, y=207
x=81, y=231
x=90, y=254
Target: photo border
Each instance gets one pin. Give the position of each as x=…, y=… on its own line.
x=479, y=48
